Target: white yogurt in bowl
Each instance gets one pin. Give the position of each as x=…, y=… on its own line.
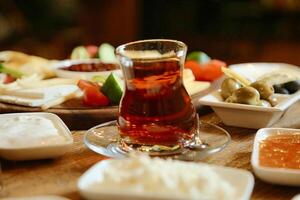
x=27, y=136
x=31, y=130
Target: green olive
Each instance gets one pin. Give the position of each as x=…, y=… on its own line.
x=229, y=85
x=265, y=103
x=230, y=99
x=265, y=90
x=246, y=95
x=273, y=100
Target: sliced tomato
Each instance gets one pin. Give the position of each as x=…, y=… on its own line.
x=92, y=50
x=209, y=71
x=92, y=96
x=213, y=70
x=83, y=84
x=195, y=67
x=8, y=79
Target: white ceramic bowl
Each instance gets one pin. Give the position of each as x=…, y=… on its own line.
x=80, y=75
x=241, y=180
x=280, y=176
x=248, y=116
x=41, y=151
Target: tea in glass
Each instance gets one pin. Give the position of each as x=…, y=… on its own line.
x=155, y=108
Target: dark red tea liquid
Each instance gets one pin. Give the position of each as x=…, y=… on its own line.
x=156, y=108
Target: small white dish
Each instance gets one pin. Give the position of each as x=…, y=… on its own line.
x=280, y=176
x=40, y=151
x=81, y=75
x=248, y=116
x=297, y=197
x=241, y=180
x=252, y=71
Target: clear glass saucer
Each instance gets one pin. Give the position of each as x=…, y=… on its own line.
x=105, y=140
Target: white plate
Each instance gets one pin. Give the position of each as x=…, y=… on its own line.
x=273, y=175
x=241, y=180
x=248, y=116
x=252, y=71
x=80, y=75
x=41, y=151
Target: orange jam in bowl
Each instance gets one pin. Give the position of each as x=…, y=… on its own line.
x=280, y=151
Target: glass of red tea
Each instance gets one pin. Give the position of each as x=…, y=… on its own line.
x=156, y=111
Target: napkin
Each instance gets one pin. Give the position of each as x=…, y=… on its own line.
x=291, y=118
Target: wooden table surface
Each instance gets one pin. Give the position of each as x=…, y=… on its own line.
x=59, y=176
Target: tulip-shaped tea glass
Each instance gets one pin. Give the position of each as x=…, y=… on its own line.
x=156, y=114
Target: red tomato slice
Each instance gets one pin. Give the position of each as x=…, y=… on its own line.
x=213, y=70
x=8, y=79
x=206, y=72
x=92, y=50
x=218, y=63
x=92, y=96
x=195, y=67
x=83, y=84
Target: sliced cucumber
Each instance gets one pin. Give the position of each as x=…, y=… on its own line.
x=106, y=53
x=113, y=88
x=80, y=53
x=199, y=57
x=13, y=72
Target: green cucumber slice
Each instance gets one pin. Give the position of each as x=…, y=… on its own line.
x=106, y=53
x=113, y=88
x=199, y=57
x=79, y=53
x=13, y=72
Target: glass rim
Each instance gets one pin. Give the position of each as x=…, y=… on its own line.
x=122, y=46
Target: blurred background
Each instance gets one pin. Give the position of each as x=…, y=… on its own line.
x=232, y=30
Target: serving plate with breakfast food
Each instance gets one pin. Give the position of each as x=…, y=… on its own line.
x=88, y=86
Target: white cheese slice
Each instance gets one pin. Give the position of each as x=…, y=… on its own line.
x=194, y=87
x=188, y=75
x=41, y=93
x=30, y=97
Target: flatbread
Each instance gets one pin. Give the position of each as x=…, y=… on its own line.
x=27, y=64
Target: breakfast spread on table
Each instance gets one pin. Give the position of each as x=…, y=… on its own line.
x=93, y=76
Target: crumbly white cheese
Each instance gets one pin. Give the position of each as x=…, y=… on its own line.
x=24, y=131
x=36, y=97
x=143, y=175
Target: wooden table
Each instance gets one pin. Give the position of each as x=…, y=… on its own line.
x=59, y=176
